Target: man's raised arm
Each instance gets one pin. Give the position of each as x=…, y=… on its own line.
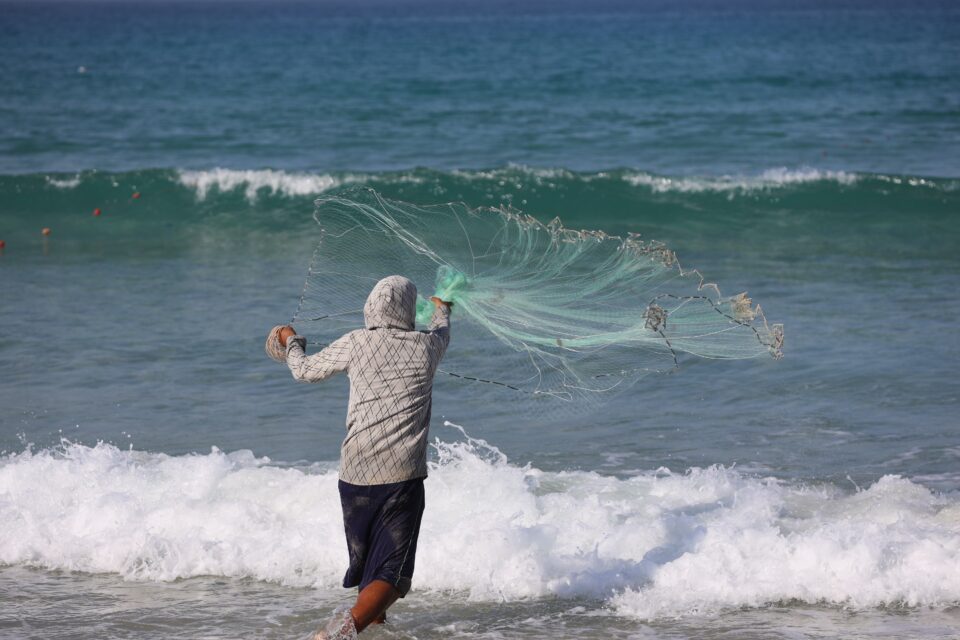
x=440, y=322
x=334, y=358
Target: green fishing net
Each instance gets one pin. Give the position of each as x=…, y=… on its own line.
x=539, y=310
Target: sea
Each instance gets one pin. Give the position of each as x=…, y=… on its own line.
x=160, y=477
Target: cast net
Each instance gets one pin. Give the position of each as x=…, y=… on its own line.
x=540, y=311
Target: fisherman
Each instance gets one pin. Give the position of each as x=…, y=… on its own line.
x=383, y=459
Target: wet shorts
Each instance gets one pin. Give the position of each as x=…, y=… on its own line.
x=382, y=523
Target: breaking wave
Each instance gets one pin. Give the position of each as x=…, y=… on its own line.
x=657, y=544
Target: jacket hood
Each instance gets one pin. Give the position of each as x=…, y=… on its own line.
x=391, y=305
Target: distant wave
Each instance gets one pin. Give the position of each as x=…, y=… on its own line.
x=766, y=180
x=228, y=205
x=253, y=181
x=301, y=183
x=64, y=183
x=256, y=184
x=659, y=544
x=269, y=182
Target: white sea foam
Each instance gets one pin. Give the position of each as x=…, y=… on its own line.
x=254, y=181
x=657, y=544
x=769, y=179
x=64, y=183
x=258, y=182
x=512, y=172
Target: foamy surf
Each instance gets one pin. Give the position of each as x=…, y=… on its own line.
x=504, y=185
x=764, y=181
x=258, y=182
x=64, y=183
x=658, y=544
x=253, y=182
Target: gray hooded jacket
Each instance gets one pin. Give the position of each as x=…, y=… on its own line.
x=391, y=368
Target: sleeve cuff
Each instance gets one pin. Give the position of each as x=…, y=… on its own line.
x=300, y=341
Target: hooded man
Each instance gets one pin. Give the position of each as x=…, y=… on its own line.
x=383, y=459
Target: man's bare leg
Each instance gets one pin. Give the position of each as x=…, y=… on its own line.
x=372, y=604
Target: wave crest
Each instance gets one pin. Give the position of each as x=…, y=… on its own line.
x=254, y=181
x=659, y=544
x=765, y=181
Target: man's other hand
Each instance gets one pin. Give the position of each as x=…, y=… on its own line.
x=285, y=334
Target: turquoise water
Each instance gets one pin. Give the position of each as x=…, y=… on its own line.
x=688, y=88
x=160, y=477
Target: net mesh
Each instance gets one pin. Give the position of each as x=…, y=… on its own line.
x=539, y=309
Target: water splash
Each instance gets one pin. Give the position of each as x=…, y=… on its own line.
x=653, y=545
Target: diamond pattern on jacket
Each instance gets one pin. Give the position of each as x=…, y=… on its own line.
x=391, y=368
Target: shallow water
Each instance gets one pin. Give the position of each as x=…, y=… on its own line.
x=219, y=608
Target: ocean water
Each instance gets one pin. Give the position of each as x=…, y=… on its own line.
x=160, y=477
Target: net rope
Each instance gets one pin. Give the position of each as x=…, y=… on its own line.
x=539, y=309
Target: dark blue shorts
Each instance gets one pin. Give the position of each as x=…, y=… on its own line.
x=382, y=523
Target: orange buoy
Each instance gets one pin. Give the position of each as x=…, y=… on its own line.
x=45, y=231
x=96, y=212
x=136, y=195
